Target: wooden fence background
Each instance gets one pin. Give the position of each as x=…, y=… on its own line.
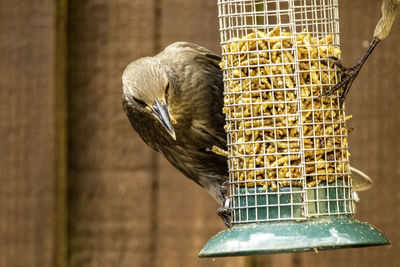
x=79, y=188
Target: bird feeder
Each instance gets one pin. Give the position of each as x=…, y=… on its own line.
x=290, y=185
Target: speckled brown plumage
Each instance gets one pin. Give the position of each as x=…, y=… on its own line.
x=195, y=100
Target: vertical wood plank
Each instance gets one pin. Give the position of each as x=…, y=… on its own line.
x=61, y=190
x=373, y=102
x=187, y=213
x=191, y=21
x=28, y=133
x=111, y=206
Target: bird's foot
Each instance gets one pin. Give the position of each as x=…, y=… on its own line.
x=347, y=78
x=225, y=211
x=225, y=214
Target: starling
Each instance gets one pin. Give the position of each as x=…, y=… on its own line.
x=174, y=102
x=381, y=31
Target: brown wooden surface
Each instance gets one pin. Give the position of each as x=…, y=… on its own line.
x=27, y=129
x=127, y=206
x=110, y=169
x=374, y=143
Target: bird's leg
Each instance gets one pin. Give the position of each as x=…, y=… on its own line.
x=224, y=211
x=349, y=74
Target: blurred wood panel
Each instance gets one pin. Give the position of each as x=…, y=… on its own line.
x=185, y=230
x=191, y=21
x=374, y=146
x=27, y=133
x=111, y=171
x=187, y=214
x=61, y=183
x=187, y=219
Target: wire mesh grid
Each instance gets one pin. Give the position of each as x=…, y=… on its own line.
x=283, y=138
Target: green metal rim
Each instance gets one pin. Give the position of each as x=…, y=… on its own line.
x=319, y=233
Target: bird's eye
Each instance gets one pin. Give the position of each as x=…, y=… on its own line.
x=166, y=91
x=140, y=102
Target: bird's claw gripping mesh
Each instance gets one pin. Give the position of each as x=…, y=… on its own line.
x=287, y=145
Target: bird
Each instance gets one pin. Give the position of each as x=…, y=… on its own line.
x=382, y=30
x=174, y=102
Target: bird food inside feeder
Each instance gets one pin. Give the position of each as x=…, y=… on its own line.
x=278, y=125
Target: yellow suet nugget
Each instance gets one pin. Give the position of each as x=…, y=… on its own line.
x=266, y=117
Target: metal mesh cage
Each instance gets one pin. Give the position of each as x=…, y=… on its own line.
x=287, y=146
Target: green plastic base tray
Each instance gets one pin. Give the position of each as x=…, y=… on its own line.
x=318, y=233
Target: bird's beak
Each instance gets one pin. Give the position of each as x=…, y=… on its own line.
x=160, y=110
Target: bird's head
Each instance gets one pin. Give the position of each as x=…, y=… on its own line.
x=148, y=84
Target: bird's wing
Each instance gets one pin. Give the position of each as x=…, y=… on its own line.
x=200, y=85
x=215, y=121
x=212, y=57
